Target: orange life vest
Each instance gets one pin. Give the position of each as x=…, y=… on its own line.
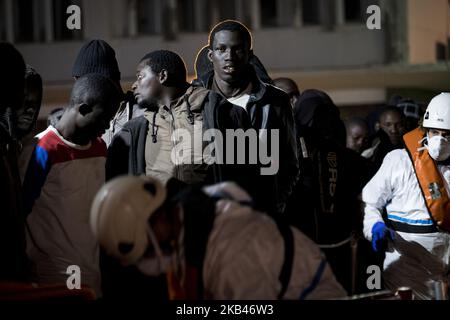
x=430, y=180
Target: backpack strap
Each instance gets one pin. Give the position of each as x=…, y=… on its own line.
x=286, y=269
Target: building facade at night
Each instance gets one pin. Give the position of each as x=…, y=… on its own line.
x=322, y=44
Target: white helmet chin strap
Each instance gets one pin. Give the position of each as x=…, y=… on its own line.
x=154, y=266
x=154, y=242
x=423, y=143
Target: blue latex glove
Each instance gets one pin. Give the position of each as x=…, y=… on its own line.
x=380, y=236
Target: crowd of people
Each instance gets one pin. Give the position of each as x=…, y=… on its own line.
x=124, y=185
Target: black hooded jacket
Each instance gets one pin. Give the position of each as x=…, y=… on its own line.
x=324, y=204
x=268, y=108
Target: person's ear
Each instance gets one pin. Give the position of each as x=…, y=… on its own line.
x=84, y=109
x=163, y=76
x=209, y=55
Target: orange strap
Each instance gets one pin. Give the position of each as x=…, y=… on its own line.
x=430, y=180
x=188, y=290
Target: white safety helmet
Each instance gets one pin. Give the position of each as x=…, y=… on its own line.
x=437, y=115
x=120, y=213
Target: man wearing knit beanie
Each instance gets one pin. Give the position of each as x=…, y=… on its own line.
x=97, y=56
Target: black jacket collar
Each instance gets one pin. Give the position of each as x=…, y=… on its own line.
x=258, y=86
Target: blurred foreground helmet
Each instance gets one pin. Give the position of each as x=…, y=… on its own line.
x=120, y=214
x=437, y=115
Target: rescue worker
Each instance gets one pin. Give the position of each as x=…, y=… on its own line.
x=258, y=106
x=210, y=241
x=412, y=185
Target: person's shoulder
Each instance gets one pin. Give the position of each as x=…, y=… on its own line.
x=199, y=90
x=277, y=98
x=48, y=139
x=244, y=222
x=276, y=92
x=197, y=95
x=398, y=154
x=135, y=122
x=397, y=157
x=99, y=144
x=44, y=133
x=215, y=98
x=211, y=93
x=204, y=80
x=351, y=155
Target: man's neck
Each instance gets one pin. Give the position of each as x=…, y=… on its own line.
x=172, y=94
x=230, y=90
x=68, y=131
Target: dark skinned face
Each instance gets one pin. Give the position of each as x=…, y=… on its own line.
x=26, y=116
x=393, y=125
x=94, y=120
x=229, y=55
x=147, y=87
x=357, y=138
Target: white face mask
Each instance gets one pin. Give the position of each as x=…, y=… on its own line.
x=155, y=265
x=161, y=263
x=438, y=148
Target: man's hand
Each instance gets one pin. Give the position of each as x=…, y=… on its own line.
x=380, y=235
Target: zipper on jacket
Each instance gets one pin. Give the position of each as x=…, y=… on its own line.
x=172, y=129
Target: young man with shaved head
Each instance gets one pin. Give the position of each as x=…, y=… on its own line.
x=257, y=105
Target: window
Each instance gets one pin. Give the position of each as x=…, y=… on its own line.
x=186, y=15
x=202, y=15
x=36, y=21
x=23, y=20
x=28, y=20
x=3, y=35
x=310, y=12
x=61, y=32
x=227, y=9
x=146, y=24
x=194, y=15
x=353, y=11
x=269, y=13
